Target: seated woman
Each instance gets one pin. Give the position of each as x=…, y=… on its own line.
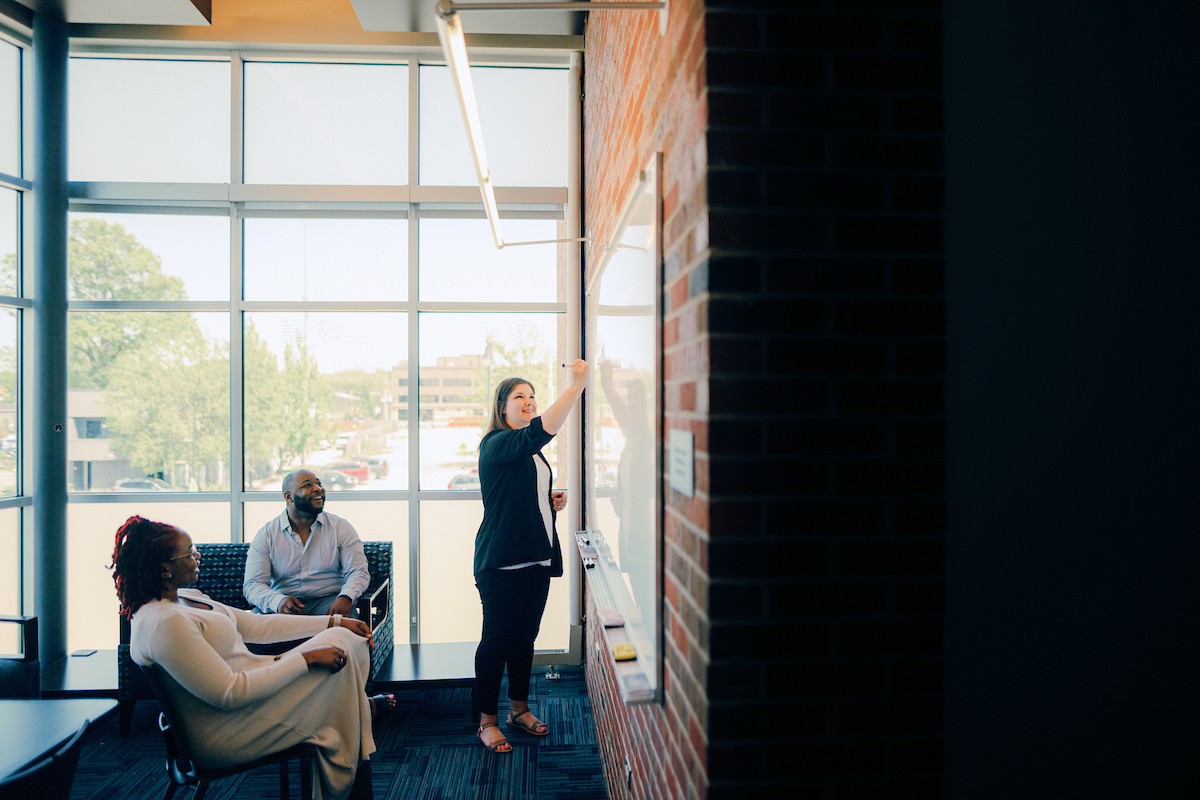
x=235, y=706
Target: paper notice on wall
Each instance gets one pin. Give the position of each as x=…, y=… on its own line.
x=679, y=458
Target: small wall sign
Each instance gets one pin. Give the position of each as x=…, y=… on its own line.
x=680, y=460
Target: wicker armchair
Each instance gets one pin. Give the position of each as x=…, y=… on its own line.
x=224, y=568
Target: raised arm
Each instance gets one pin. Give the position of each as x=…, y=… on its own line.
x=554, y=416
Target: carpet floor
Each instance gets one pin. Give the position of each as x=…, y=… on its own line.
x=427, y=750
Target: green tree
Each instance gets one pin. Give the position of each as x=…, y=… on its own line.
x=308, y=404
x=264, y=388
x=8, y=274
x=108, y=263
x=168, y=404
x=8, y=365
x=366, y=388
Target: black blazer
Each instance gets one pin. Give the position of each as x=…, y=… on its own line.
x=513, y=530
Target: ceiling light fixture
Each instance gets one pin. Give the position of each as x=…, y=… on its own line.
x=450, y=34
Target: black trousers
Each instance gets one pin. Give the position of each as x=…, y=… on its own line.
x=513, y=602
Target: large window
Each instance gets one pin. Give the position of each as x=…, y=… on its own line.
x=323, y=312
x=13, y=188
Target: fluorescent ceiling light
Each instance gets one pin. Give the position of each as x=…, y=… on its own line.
x=450, y=33
x=454, y=46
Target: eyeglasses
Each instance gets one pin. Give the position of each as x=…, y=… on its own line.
x=193, y=554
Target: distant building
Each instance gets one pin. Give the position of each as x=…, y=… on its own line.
x=452, y=393
x=93, y=464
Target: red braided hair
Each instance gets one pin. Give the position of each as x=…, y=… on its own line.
x=138, y=552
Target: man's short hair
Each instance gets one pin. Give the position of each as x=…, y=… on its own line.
x=290, y=481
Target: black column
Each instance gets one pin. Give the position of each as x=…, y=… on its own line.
x=47, y=285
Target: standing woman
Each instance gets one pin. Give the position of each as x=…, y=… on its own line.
x=516, y=549
x=235, y=706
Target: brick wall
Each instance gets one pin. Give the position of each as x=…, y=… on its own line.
x=805, y=348
x=644, y=93
x=826, y=423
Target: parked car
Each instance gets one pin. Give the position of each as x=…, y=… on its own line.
x=333, y=480
x=143, y=485
x=356, y=468
x=378, y=466
x=467, y=481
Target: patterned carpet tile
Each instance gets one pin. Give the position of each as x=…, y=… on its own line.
x=569, y=773
x=427, y=750
x=463, y=773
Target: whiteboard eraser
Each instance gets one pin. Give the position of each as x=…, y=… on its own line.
x=624, y=652
x=609, y=618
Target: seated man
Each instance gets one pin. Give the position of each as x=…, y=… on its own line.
x=306, y=560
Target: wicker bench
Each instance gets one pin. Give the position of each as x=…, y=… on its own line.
x=221, y=576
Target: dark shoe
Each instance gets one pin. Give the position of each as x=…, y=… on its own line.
x=501, y=745
x=530, y=728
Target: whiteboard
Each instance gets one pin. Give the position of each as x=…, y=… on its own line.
x=624, y=454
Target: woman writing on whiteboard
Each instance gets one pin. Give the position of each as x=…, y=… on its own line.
x=516, y=548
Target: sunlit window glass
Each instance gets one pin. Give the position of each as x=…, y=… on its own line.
x=9, y=237
x=10, y=109
x=10, y=577
x=463, y=358
x=459, y=262
x=148, y=402
x=523, y=113
x=149, y=120
x=319, y=394
x=10, y=319
x=326, y=259
x=326, y=123
x=148, y=257
x=92, y=607
x=450, y=609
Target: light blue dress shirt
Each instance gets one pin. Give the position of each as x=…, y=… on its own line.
x=279, y=566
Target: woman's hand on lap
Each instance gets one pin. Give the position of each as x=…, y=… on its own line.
x=359, y=627
x=330, y=657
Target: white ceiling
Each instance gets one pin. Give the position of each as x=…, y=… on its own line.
x=131, y=12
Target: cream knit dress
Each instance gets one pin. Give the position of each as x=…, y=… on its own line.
x=235, y=706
